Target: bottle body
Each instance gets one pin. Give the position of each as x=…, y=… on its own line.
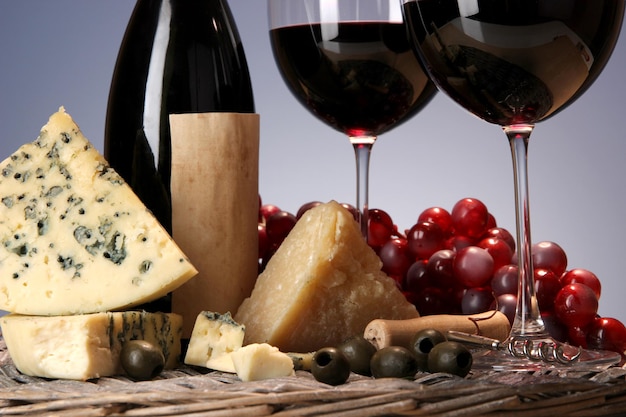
x=177, y=56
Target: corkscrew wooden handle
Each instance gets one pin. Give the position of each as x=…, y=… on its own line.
x=383, y=333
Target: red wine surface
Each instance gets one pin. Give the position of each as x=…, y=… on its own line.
x=514, y=61
x=361, y=78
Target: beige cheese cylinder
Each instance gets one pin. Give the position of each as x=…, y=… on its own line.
x=214, y=187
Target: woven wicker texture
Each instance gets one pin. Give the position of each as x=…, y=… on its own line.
x=190, y=392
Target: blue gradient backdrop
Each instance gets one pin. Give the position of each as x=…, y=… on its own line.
x=62, y=52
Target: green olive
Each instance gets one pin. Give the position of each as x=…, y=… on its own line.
x=450, y=357
x=393, y=362
x=422, y=343
x=141, y=360
x=359, y=353
x=330, y=366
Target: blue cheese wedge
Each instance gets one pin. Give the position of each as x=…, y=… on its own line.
x=86, y=346
x=214, y=337
x=258, y=361
x=74, y=238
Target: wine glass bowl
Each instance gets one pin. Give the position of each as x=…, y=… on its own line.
x=350, y=64
x=514, y=64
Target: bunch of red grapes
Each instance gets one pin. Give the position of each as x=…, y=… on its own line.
x=461, y=262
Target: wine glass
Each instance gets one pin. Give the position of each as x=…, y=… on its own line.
x=350, y=63
x=513, y=64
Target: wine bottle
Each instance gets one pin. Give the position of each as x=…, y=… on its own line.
x=176, y=57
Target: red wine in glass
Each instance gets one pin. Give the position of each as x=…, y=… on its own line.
x=512, y=62
x=361, y=81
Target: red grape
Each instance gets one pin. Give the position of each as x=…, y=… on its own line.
x=499, y=250
x=503, y=234
x=505, y=280
x=380, y=228
x=393, y=254
x=506, y=304
x=549, y=255
x=441, y=268
x=476, y=300
x=417, y=277
x=456, y=243
x=424, y=239
x=582, y=276
x=473, y=267
x=439, y=216
x=576, y=305
x=470, y=218
x=547, y=286
x=278, y=226
x=430, y=301
x=267, y=210
x=607, y=334
x=554, y=327
x=577, y=336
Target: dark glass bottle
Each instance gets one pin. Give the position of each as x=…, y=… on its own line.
x=177, y=56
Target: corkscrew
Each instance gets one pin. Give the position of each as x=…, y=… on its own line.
x=520, y=347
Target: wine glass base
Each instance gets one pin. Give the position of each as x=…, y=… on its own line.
x=502, y=360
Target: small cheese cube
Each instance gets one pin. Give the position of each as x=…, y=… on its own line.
x=74, y=237
x=213, y=339
x=323, y=285
x=86, y=346
x=259, y=361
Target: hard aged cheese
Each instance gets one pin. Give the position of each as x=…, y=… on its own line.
x=323, y=285
x=213, y=339
x=86, y=346
x=259, y=361
x=74, y=237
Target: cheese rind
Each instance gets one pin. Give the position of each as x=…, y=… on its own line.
x=259, y=361
x=213, y=339
x=86, y=346
x=74, y=236
x=323, y=285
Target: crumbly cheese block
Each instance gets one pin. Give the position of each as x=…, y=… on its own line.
x=214, y=337
x=86, y=346
x=74, y=236
x=259, y=361
x=323, y=285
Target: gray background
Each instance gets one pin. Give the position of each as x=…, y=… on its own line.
x=62, y=52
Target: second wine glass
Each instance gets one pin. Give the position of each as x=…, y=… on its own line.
x=351, y=65
x=515, y=64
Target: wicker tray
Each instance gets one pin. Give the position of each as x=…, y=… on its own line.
x=190, y=392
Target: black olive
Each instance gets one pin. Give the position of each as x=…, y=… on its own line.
x=359, y=353
x=330, y=366
x=450, y=357
x=141, y=360
x=393, y=362
x=422, y=343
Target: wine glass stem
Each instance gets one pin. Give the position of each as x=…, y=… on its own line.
x=528, y=321
x=362, y=149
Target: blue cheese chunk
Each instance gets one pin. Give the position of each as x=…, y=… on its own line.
x=74, y=238
x=214, y=337
x=86, y=346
